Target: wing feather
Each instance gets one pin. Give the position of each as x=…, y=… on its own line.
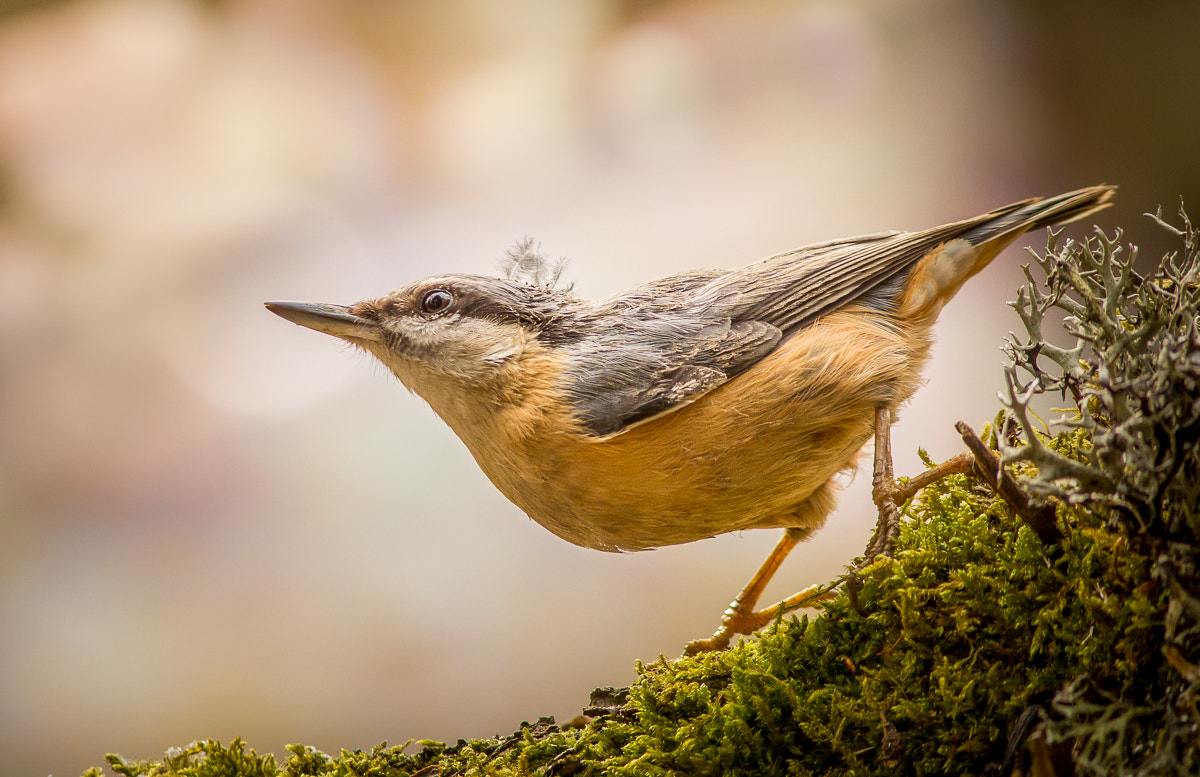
x=666, y=343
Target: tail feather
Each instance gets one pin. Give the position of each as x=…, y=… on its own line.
x=974, y=243
x=1034, y=214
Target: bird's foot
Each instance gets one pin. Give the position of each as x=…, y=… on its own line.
x=889, y=496
x=743, y=619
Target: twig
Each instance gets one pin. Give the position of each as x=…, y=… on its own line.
x=1038, y=516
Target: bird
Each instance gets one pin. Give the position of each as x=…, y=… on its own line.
x=703, y=402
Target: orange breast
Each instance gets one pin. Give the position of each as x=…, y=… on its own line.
x=749, y=454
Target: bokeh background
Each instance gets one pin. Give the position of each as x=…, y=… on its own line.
x=216, y=524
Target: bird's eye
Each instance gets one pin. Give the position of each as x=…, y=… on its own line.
x=436, y=301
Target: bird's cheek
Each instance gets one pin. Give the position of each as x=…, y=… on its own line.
x=389, y=340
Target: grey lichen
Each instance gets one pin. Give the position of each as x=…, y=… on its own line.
x=1133, y=374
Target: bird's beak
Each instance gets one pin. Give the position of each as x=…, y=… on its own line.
x=336, y=320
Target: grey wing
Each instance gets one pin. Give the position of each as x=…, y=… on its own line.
x=794, y=289
x=667, y=343
x=631, y=371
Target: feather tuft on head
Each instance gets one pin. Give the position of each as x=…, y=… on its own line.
x=525, y=263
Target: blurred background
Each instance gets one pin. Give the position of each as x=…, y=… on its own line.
x=216, y=524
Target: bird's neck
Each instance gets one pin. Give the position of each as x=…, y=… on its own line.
x=518, y=404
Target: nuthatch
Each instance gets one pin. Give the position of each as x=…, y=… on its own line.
x=700, y=403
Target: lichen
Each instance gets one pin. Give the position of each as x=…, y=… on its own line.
x=1133, y=374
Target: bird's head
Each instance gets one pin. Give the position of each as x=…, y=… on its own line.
x=449, y=335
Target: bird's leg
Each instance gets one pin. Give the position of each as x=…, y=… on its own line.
x=883, y=488
x=890, y=495
x=741, y=618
